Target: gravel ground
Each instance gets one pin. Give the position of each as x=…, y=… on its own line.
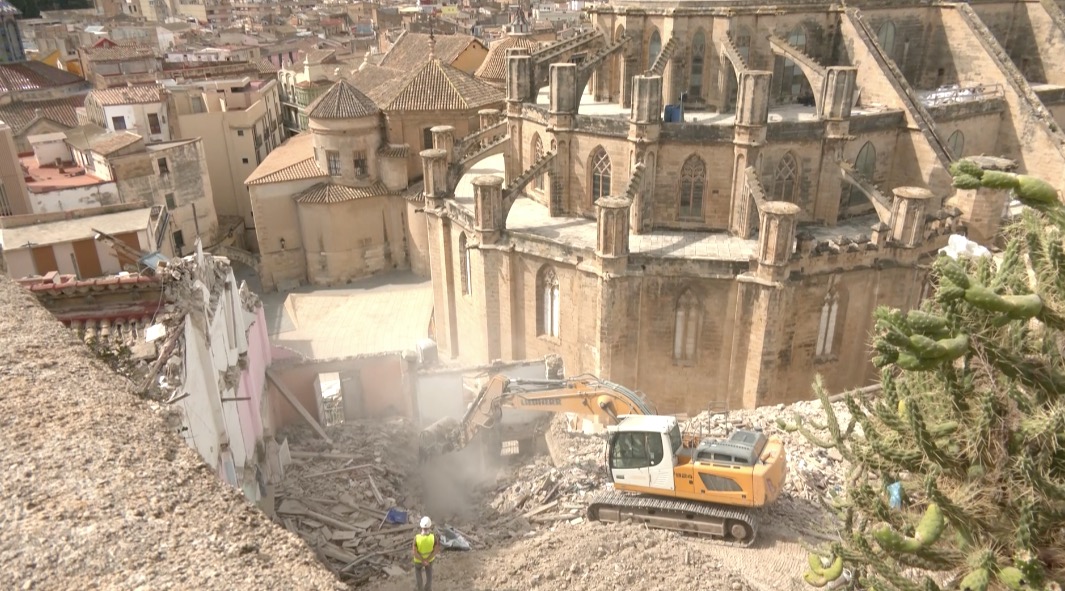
x=98, y=491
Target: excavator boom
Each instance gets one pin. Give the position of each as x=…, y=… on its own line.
x=660, y=477
x=584, y=395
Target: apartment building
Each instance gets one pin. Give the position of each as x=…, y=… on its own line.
x=240, y=123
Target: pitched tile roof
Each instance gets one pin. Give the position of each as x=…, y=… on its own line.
x=117, y=53
x=292, y=160
x=369, y=76
x=412, y=49
x=436, y=86
x=33, y=75
x=109, y=143
x=494, y=66
x=333, y=193
x=265, y=66
x=81, y=136
x=20, y=115
x=321, y=56
x=342, y=101
x=128, y=95
x=394, y=150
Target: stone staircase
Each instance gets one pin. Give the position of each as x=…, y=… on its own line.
x=911, y=103
x=1016, y=81
x=728, y=47
x=659, y=67
x=545, y=57
x=584, y=73
x=514, y=188
x=810, y=66
x=477, y=140
x=880, y=201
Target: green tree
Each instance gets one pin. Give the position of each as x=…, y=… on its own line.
x=969, y=427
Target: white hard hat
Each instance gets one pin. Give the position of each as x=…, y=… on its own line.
x=426, y=522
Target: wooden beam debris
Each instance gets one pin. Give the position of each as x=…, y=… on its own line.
x=291, y=398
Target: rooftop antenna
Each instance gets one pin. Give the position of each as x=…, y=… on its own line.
x=432, y=40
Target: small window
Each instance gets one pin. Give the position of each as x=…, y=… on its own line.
x=826, y=330
x=427, y=138
x=244, y=160
x=635, y=449
x=361, y=169
x=332, y=157
x=164, y=167
x=179, y=242
x=170, y=202
x=118, y=123
x=240, y=133
x=153, y=124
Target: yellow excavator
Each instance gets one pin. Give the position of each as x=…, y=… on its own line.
x=661, y=477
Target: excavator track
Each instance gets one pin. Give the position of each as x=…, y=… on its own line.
x=725, y=525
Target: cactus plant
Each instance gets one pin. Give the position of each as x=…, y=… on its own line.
x=970, y=421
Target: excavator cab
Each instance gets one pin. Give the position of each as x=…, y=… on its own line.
x=642, y=452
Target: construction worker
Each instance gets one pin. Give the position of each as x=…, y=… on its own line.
x=426, y=547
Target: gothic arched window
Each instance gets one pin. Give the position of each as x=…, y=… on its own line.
x=538, y=153
x=865, y=166
x=692, y=188
x=956, y=144
x=599, y=164
x=886, y=37
x=548, y=302
x=654, y=47
x=465, y=274
x=688, y=317
x=785, y=179
x=695, y=85
x=826, y=328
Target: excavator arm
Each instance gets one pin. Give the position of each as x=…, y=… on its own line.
x=583, y=395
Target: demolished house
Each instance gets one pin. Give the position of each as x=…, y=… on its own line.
x=191, y=339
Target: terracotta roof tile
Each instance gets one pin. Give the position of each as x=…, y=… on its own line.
x=128, y=95
x=265, y=66
x=304, y=169
x=342, y=101
x=117, y=53
x=33, y=75
x=369, y=76
x=20, y=115
x=494, y=66
x=436, y=86
x=321, y=56
x=323, y=193
x=394, y=150
x=109, y=143
x=412, y=49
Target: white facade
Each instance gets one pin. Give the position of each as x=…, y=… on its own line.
x=148, y=120
x=83, y=197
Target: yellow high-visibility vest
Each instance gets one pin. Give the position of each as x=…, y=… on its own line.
x=425, y=544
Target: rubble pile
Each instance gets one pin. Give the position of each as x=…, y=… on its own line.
x=589, y=557
x=350, y=501
x=814, y=473
x=541, y=493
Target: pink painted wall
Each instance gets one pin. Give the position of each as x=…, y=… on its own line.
x=253, y=381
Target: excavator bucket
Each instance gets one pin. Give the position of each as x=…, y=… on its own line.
x=439, y=438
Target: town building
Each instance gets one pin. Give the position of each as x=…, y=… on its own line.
x=240, y=123
x=65, y=242
x=141, y=109
x=90, y=167
x=709, y=204
x=354, y=166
